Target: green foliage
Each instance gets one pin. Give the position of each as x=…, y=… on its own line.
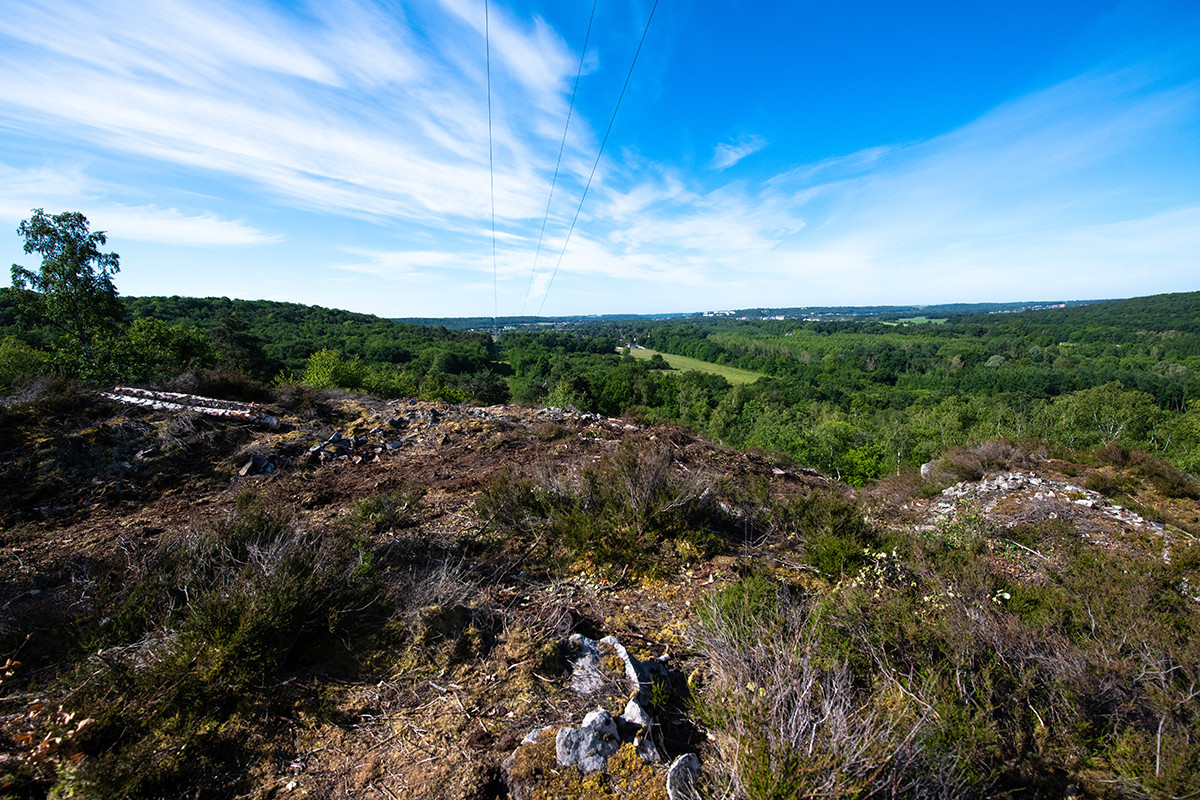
x=831, y=532
x=385, y=512
x=72, y=290
x=793, y=721
x=264, y=337
x=72, y=296
x=1105, y=414
x=629, y=511
x=951, y=678
x=152, y=351
x=744, y=608
x=1165, y=478
x=19, y=362
x=327, y=369
x=859, y=400
x=195, y=653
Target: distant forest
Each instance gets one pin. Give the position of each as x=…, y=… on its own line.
x=857, y=398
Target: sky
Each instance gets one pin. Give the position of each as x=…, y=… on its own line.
x=348, y=153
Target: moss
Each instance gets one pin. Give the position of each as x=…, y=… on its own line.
x=632, y=777
x=535, y=760
x=626, y=776
x=529, y=653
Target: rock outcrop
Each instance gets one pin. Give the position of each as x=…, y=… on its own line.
x=602, y=739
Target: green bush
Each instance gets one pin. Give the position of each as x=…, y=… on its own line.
x=20, y=363
x=197, y=652
x=629, y=511
x=1167, y=479
x=788, y=720
x=385, y=512
x=329, y=369
x=835, y=537
x=1002, y=682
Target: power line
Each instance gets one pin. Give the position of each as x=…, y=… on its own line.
x=588, y=185
x=554, y=182
x=487, y=45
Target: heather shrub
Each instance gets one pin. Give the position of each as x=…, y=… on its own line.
x=632, y=510
x=196, y=647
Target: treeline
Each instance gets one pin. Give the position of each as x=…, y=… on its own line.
x=259, y=342
x=858, y=399
x=1148, y=344
x=861, y=399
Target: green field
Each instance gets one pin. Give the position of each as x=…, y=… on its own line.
x=731, y=374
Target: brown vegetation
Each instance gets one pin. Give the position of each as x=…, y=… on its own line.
x=393, y=623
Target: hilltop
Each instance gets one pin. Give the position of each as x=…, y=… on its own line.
x=377, y=598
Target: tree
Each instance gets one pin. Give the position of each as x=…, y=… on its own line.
x=73, y=289
x=1105, y=414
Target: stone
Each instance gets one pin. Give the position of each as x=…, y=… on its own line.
x=255, y=465
x=588, y=746
x=535, y=734
x=586, y=677
x=681, y=777
x=601, y=735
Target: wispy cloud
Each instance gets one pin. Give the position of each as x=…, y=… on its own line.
x=170, y=226
x=364, y=113
x=377, y=113
x=726, y=154
x=71, y=189
x=1016, y=199
x=1065, y=192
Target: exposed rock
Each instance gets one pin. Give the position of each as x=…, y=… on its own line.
x=681, y=777
x=262, y=464
x=588, y=746
x=1009, y=499
x=601, y=735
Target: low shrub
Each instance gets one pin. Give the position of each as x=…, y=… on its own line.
x=1113, y=454
x=973, y=462
x=789, y=721
x=832, y=533
x=631, y=510
x=1106, y=484
x=935, y=670
x=385, y=512
x=193, y=654
x=20, y=364
x=1167, y=479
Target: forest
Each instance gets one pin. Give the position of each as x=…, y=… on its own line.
x=857, y=398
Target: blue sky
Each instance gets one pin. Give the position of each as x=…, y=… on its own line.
x=765, y=154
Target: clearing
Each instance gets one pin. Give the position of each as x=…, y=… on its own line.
x=732, y=374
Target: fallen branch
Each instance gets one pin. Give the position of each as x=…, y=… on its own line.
x=174, y=401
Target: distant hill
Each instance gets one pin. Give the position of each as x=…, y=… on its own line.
x=289, y=332
x=1179, y=311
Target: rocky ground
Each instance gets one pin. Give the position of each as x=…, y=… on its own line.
x=90, y=486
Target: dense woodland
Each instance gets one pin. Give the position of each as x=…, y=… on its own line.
x=858, y=398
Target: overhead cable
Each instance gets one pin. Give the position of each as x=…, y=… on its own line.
x=487, y=44
x=598, y=154
x=554, y=181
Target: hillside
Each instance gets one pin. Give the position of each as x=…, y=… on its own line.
x=379, y=599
